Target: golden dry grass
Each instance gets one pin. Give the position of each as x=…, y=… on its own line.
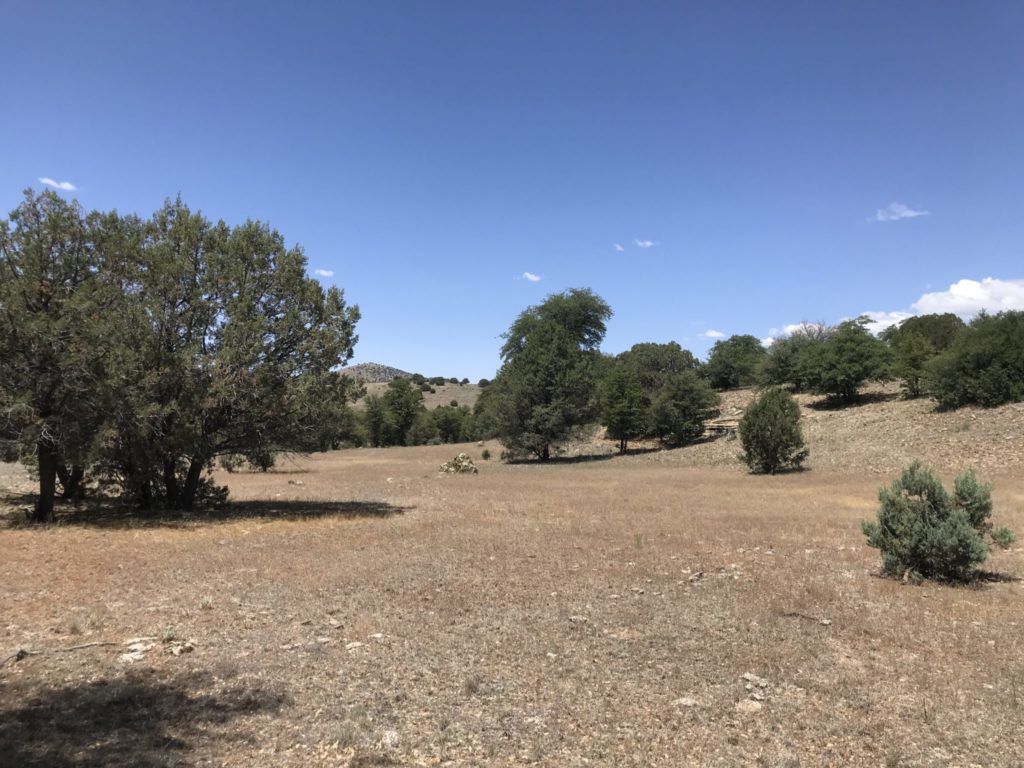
x=462, y=394
x=358, y=608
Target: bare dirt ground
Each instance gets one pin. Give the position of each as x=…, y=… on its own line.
x=359, y=609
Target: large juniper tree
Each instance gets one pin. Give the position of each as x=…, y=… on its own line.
x=145, y=349
x=55, y=339
x=547, y=384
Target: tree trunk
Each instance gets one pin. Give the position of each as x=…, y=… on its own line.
x=187, y=499
x=47, y=483
x=171, y=483
x=622, y=445
x=545, y=455
x=71, y=480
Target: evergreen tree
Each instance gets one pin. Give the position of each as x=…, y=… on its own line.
x=770, y=432
x=624, y=406
x=735, y=362
x=546, y=385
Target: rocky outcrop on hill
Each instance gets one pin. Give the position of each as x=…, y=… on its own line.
x=375, y=373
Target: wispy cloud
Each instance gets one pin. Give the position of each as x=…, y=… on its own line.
x=897, y=211
x=67, y=186
x=645, y=243
x=967, y=298
x=324, y=272
x=711, y=333
x=618, y=247
x=531, y=277
x=879, y=321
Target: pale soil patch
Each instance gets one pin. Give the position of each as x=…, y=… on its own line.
x=590, y=613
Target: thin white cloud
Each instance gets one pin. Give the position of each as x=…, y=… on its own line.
x=896, y=211
x=531, y=277
x=324, y=272
x=618, y=247
x=879, y=321
x=711, y=333
x=767, y=342
x=967, y=298
x=67, y=186
x=645, y=243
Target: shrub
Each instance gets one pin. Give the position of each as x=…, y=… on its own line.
x=984, y=365
x=485, y=454
x=850, y=357
x=735, y=362
x=924, y=532
x=770, y=432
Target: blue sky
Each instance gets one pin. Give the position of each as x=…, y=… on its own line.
x=779, y=161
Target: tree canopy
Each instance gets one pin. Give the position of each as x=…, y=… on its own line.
x=547, y=384
x=141, y=350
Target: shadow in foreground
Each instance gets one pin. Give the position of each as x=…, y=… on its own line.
x=136, y=720
x=102, y=514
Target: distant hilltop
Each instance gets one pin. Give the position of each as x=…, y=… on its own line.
x=375, y=373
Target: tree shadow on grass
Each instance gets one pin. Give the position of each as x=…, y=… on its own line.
x=103, y=513
x=137, y=720
x=581, y=459
x=831, y=403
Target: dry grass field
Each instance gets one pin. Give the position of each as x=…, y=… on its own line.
x=657, y=609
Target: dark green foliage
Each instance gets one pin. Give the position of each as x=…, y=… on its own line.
x=624, y=405
x=56, y=333
x=170, y=342
x=483, y=383
x=673, y=401
x=924, y=532
x=680, y=408
x=910, y=355
x=850, y=356
x=423, y=431
x=938, y=330
x=546, y=387
x=914, y=342
x=785, y=364
x=451, y=421
x=735, y=362
x=983, y=366
x=655, y=364
x=770, y=432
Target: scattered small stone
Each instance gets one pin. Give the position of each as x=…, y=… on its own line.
x=578, y=619
x=179, y=647
x=697, y=576
x=295, y=482
x=757, y=695
x=353, y=645
x=749, y=707
x=334, y=623
x=389, y=739
x=825, y=622
x=323, y=640
x=753, y=680
x=685, y=701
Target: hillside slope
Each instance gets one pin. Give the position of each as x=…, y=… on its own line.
x=375, y=373
x=879, y=435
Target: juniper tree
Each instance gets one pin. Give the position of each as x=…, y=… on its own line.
x=547, y=384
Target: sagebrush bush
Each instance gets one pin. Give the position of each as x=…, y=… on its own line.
x=770, y=433
x=924, y=532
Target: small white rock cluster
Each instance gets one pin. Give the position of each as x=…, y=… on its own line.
x=461, y=464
